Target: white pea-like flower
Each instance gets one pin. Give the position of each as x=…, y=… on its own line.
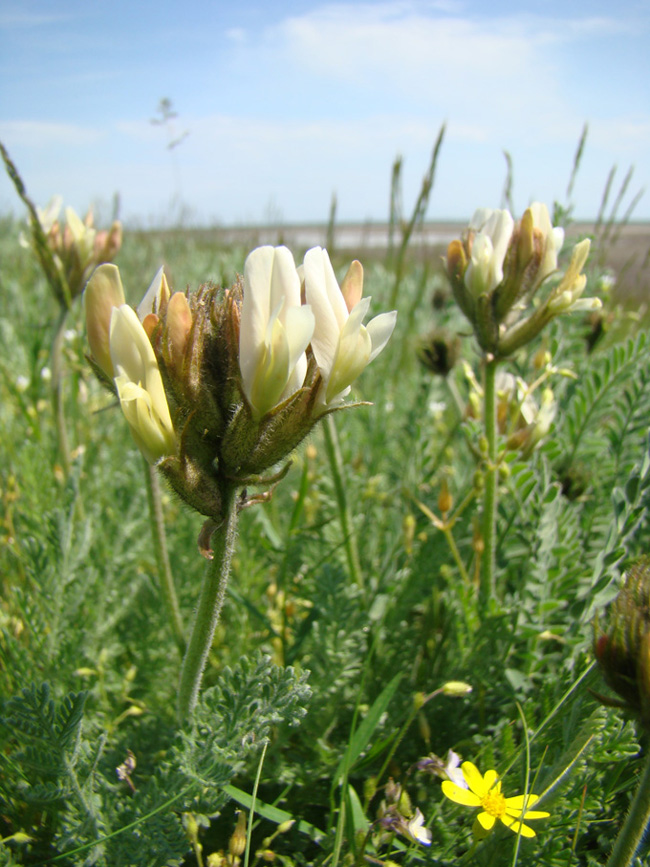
x=342, y=345
x=104, y=292
x=552, y=239
x=275, y=329
x=491, y=231
x=140, y=386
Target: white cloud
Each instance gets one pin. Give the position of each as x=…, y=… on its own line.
x=626, y=136
x=42, y=134
x=325, y=100
x=20, y=17
x=142, y=131
x=509, y=75
x=396, y=44
x=237, y=35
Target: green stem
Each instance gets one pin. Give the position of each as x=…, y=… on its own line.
x=449, y=536
x=159, y=540
x=398, y=740
x=213, y=592
x=636, y=823
x=336, y=467
x=453, y=391
x=487, y=587
x=57, y=391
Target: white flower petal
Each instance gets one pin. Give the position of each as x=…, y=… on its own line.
x=342, y=346
x=274, y=329
x=327, y=328
x=132, y=356
x=417, y=829
x=380, y=330
x=103, y=292
x=152, y=297
x=299, y=325
x=285, y=282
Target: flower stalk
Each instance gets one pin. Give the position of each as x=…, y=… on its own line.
x=213, y=593
x=487, y=587
x=502, y=276
x=631, y=834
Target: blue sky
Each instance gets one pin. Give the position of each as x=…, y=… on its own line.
x=286, y=102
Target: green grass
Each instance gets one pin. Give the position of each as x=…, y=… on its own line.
x=323, y=668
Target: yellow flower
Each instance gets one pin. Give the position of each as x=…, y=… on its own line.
x=485, y=792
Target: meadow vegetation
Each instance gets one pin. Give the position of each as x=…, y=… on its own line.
x=361, y=652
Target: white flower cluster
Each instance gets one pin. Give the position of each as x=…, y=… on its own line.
x=277, y=328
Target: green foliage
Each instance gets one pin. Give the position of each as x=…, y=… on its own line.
x=48, y=745
x=234, y=718
x=65, y=791
x=81, y=617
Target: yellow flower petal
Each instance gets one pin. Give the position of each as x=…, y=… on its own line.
x=536, y=814
x=486, y=821
x=460, y=796
x=490, y=779
x=517, y=827
x=474, y=779
x=517, y=802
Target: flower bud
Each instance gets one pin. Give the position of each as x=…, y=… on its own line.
x=456, y=267
x=352, y=285
x=456, y=688
x=103, y=292
x=178, y=324
x=622, y=643
x=547, y=238
x=237, y=844
x=283, y=827
x=445, y=499
x=525, y=240
x=439, y=352
x=81, y=235
x=108, y=244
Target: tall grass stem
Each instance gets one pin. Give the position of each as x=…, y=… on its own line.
x=58, y=400
x=159, y=540
x=333, y=450
x=213, y=592
x=417, y=217
x=251, y=815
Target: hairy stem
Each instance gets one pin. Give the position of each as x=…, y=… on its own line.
x=487, y=587
x=635, y=826
x=336, y=467
x=213, y=592
x=159, y=540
